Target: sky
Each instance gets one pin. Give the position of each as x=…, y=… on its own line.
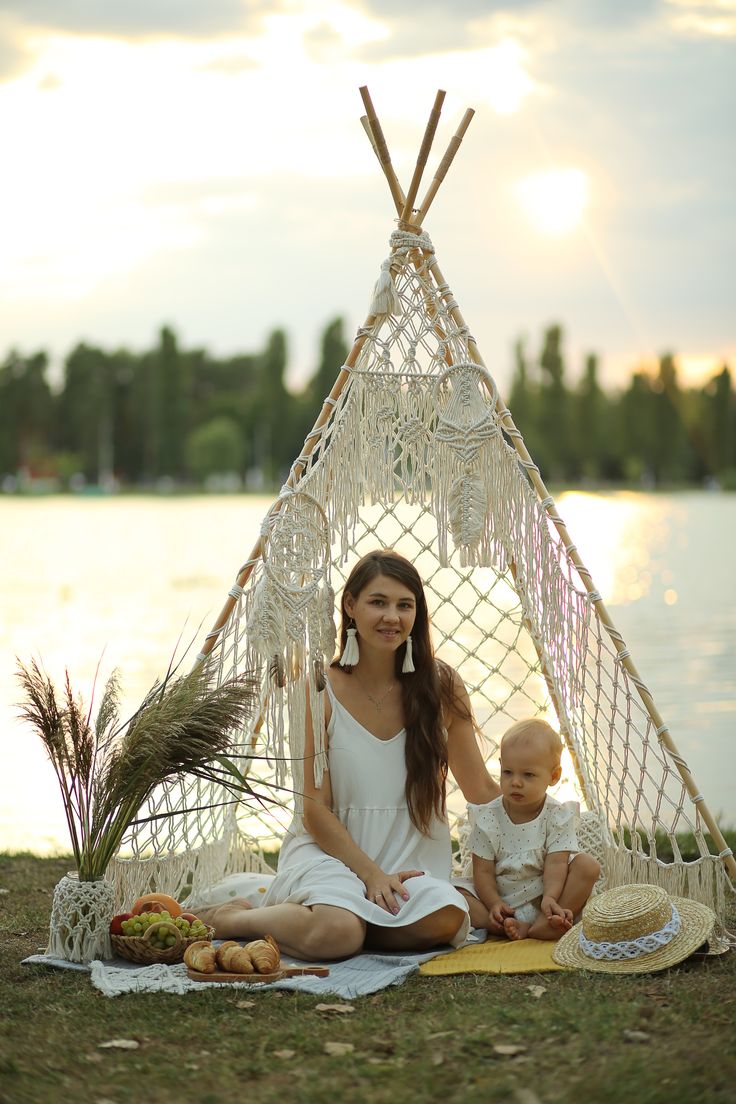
x=202, y=165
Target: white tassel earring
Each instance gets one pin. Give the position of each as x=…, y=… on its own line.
x=351, y=652
x=407, y=667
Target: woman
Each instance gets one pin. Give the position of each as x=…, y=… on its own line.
x=370, y=863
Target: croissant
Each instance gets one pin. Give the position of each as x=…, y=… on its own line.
x=233, y=959
x=265, y=954
x=200, y=956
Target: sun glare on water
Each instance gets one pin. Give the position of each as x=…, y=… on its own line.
x=554, y=201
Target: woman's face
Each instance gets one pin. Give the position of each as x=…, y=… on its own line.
x=384, y=613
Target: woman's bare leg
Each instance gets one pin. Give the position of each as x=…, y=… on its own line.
x=307, y=932
x=431, y=931
x=476, y=908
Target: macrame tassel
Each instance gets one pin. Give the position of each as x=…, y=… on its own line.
x=407, y=667
x=351, y=651
x=385, y=300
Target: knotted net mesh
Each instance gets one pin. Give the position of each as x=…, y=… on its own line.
x=418, y=453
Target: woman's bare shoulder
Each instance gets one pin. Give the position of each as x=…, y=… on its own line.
x=451, y=683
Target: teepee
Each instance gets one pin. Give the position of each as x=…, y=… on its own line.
x=414, y=449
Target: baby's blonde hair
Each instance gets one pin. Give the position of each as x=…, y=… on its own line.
x=534, y=729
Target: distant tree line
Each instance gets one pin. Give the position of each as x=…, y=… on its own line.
x=181, y=417
x=653, y=431
x=168, y=414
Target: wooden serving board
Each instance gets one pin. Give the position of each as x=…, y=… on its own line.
x=259, y=979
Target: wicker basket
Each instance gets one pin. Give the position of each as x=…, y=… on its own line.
x=138, y=948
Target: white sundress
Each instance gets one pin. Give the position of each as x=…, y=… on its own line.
x=519, y=850
x=368, y=777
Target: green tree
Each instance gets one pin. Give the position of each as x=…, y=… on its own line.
x=270, y=412
x=553, y=416
x=333, y=353
x=86, y=410
x=722, y=421
x=671, y=452
x=26, y=411
x=308, y=404
x=172, y=395
x=636, y=417
x=588, y=443
x=523, y=397
x=215, y=448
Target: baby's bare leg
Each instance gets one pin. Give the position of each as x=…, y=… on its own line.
x=516, y=929
x=582, y=874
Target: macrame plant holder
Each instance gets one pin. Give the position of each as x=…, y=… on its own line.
x=414, y=449
x=79, y=930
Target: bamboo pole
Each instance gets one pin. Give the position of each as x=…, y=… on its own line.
x=440, y=332
x=429, y=133
x=399, y=203
x=381, y=148
x=441, y=173
x=581, y=779
x=310, y=443
x=624, y=657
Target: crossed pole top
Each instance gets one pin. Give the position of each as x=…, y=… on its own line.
x=411, y=217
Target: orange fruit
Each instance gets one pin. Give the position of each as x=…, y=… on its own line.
x=167, y=903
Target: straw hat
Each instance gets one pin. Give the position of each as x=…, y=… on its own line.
x=635, y=929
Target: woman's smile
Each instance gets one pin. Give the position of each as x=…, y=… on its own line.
x=384, y=611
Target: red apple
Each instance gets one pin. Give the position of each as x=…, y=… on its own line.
x=189, y=916
x=117, y=922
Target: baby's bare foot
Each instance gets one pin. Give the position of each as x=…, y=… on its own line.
x=559, y=923
x=224, y=918
x=515, y=929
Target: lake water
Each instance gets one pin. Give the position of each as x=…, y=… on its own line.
x=124, y=578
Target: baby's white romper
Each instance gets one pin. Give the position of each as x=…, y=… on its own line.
x=519, y=850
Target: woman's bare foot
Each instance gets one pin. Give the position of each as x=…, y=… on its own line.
x=515, y=929
x=225, y=918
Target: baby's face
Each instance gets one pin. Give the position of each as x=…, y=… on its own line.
x=527, y=770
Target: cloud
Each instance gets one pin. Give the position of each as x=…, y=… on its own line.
x=433, y=26
x=13, y=59
x=141, y=18
x=708, y=18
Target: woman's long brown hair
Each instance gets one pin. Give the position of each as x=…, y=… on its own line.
x=424, y=692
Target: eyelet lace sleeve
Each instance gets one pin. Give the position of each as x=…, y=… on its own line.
x=562, y=827
x=485, y=831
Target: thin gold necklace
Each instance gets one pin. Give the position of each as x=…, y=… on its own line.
x=378, y=702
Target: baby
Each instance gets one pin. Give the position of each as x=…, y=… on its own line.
x=527, y=870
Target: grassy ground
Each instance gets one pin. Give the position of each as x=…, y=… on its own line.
x=663, y=1038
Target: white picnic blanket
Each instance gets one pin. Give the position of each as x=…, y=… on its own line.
x=353, y=977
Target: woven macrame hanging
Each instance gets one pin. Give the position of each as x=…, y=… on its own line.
x=414, y=449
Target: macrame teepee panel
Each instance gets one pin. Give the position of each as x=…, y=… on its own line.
x=418, y=454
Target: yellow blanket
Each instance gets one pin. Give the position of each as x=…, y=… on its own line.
x=496, y=956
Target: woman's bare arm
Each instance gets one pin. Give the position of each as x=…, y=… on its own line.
x=464, y=755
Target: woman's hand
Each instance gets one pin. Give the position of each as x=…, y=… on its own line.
x=383, y=889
